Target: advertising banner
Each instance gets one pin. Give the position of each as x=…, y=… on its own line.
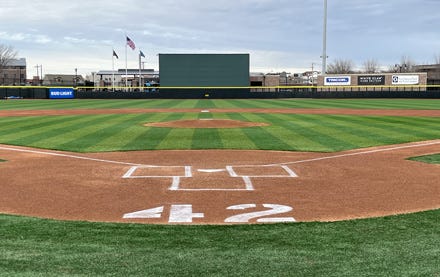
x=61, y=93
x=405, y=79
x=337, y=81
x=377, y=80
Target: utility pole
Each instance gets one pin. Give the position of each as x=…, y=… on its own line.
x=39, y=72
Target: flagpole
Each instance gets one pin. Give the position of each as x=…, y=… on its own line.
x=126, y=65
x=140, y=78
x=113, y=70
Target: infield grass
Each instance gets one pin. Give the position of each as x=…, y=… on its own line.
x=431, y=159
x=293, y=132
x=405, y=245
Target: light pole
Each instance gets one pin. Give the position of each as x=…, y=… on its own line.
x=324, y=40
x=400, y=66
x=38, y=74
x=76, y=78
x=39, y=78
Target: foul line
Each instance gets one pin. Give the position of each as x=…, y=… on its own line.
x=230, y=168
x=66, y=156
x=355, y=154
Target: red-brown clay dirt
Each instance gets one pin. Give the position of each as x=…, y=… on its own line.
x=430, y=113
x=206, y=123
x=217, y=186
x=352, y=184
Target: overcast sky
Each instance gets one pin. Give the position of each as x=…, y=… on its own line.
x=280, y=35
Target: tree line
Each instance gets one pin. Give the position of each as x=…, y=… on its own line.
x=339, y=66
x=346, y=66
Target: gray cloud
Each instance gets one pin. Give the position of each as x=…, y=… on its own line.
x=280, y=34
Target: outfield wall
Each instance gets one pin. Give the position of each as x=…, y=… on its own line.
x=261, y=93
x=24, y=92
x=373, y=82
x=227, y=93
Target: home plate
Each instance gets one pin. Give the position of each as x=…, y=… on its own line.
x=211, y=170
x=214, y=179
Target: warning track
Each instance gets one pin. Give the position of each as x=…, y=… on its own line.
x=395, y=112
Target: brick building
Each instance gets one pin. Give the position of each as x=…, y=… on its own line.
x=14, y=73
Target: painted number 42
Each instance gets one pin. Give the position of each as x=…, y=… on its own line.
x=184, y=213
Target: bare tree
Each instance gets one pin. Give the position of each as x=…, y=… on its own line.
x=406, y=65
x=371, y=66
x=7, y=53
x=437, y=59
x=340, y=66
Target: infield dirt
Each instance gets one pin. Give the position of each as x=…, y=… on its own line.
x=353, y=184
x=211, y=186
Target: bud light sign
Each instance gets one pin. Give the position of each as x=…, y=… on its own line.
x=337, y=81
x=61, y=93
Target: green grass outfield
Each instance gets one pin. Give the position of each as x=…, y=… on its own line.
x=405, y=245
x=293, y=132
x=418, y=104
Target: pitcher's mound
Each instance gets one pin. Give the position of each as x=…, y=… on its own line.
x=206, y=123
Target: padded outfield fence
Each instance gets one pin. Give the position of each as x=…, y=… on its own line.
x=40, y=92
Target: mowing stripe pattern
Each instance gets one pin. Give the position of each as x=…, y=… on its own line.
x=297, y=132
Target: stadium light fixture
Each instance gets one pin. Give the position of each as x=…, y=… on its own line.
x=324, y=41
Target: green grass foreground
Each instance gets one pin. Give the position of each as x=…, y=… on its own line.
x=405, y=245
x=431, y=159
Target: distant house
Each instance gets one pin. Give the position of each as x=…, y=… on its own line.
x=433, y=71
x=51, y=80
x=13, y=73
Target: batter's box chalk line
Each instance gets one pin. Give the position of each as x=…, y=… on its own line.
x=176, y=173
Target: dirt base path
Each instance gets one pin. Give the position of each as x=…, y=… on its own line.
x=218, y=186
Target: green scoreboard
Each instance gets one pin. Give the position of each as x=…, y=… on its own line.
x=204, y=70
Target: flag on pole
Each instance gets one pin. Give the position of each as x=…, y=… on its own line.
x=141, y=53
x=115, y=55
x=131, y=43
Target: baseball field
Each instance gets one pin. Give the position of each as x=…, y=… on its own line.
x=288, y=187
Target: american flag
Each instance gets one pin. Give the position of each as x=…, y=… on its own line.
x=131, y=43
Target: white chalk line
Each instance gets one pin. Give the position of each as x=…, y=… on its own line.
x=67, y=156
x=230, y=168
x=348, y=154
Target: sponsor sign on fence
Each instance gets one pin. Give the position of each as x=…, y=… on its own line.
x=337, y=81
x=378, y=80
x=61, y=93
x=405, y=79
